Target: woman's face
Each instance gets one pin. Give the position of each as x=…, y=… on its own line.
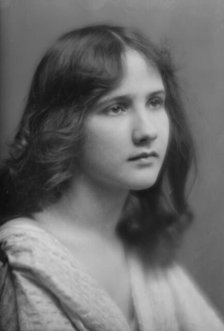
x=127, y=131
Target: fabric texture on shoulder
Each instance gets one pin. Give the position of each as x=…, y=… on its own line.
x=48, y=290
x=8, y=304
x=194, y=311
x=52, y=291
x=167, y=299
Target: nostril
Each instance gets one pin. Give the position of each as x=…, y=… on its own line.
x=143, y=138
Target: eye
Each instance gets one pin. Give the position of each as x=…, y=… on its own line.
x=116, y=109
x=156, y=102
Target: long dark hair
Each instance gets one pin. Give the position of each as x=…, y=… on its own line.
x=75, y=72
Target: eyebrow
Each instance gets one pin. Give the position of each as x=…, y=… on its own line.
x=128, y=97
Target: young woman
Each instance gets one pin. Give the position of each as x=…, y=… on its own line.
x=93, y=193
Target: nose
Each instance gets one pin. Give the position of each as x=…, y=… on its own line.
x=144, y=129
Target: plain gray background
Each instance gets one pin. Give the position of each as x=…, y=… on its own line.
x=195, y=31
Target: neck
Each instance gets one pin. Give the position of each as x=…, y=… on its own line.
x=92, y=208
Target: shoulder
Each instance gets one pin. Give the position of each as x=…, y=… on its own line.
x=34, y=255
x=16, y=234
x=50, y=289
x=18, y=227
x=30, y=247
x=35, y=274
x=22, y=239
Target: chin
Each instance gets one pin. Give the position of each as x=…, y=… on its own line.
x=142, y=178
x=139, y=185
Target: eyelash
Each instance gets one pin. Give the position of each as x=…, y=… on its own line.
x=154, y=103
x=160, y=102
x=122, y=108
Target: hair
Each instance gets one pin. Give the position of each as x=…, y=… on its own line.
x=81, y=67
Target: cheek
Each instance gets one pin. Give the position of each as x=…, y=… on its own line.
x=103, y=142
x=167, y=129
x=167, y=136
x=106, y=132
x=164, y=129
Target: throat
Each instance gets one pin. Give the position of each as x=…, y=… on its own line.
x=91, y=209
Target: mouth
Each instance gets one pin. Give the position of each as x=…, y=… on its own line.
x=143, y=156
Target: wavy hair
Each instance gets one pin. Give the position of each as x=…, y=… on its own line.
x=81, y=67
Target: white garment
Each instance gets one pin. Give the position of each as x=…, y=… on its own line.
x=43, y=288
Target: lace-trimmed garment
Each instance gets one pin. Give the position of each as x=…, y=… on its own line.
x=43, y=288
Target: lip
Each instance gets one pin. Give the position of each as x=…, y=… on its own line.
x=143, y=156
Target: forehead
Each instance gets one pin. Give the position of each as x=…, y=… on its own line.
x=139, y=77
